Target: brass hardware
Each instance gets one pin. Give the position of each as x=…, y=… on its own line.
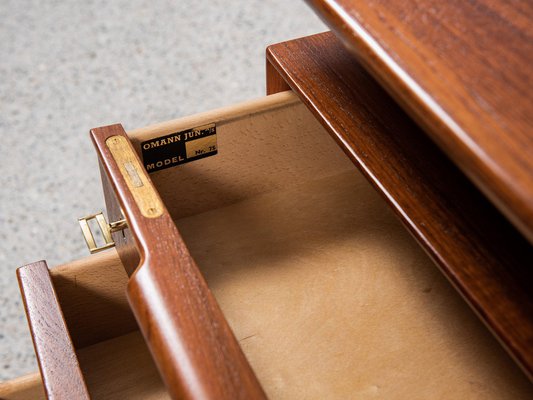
x=105, y=228
x=136, y=178
x=118, y=225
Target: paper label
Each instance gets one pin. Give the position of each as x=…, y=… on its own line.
x=179, y=148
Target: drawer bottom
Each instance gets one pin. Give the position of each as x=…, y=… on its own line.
x=330, y=297
x=121, y=368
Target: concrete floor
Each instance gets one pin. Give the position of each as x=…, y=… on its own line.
x=68, y=66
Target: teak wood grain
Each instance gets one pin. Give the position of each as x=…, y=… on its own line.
x=478, y=250
x=60, y=370
x=191, y=342
x=463, y=70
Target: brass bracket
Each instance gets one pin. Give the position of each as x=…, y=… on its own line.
x=105, y=228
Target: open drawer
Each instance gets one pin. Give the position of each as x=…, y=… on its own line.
x=326, y=293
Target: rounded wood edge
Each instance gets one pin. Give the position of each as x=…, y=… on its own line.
x=57, y=360
x=191, y=342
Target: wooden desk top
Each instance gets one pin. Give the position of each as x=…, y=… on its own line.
x=464, y=71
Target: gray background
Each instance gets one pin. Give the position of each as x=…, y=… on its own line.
x=68, y=66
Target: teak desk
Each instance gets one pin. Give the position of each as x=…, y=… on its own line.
x=365, y=230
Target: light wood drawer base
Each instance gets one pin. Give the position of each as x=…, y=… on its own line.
x=23, y=388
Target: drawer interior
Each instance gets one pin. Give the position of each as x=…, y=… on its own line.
x=263, y=145
x=326, y=292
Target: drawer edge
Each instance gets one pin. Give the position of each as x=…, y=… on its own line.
x=56, y=357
